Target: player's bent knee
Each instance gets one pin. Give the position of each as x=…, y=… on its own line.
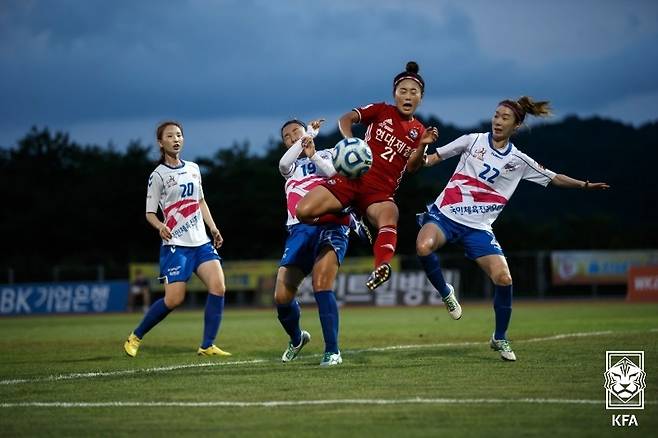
x=323, y=282
x=503, y=279
x=424, y=247
x=283, y=296
x=323, y=278
x=173, y=302
x=218, y=290
x=303, y=212
x=280, y=298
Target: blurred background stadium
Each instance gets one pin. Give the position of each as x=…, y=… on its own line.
x=83, y=96
x=85, y=83
x=75, y=214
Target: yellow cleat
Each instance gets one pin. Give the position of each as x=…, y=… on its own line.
x=213, y=350
x=131, y=346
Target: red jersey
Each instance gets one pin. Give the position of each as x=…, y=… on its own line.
x=392, y=140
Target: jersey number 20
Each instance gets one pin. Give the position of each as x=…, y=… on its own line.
x=187, y=189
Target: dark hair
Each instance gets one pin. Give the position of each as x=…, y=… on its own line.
x=160, y=130
x=411, y=72
x=526, y=105
x=290, y=122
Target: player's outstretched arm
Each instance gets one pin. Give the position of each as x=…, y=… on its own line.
x=346, y=121
x=417, y=157
x=431, y=159
x=450, y=150
x=567, y=182
x=217, y=238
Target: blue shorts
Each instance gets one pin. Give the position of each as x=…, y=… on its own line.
x=477, y=243
x=177, y=263
x=305, y=242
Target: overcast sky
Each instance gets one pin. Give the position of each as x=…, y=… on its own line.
x=235, y=70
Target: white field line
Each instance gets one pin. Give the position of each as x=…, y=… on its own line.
x=289, y=403
x=469, y=344
x=293, y=403
x=53, y=378
x=89, y=375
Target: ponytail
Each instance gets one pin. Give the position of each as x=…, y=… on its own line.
x=538, y=109
x=526, y=105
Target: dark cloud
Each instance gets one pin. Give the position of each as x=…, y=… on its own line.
x=73, y=62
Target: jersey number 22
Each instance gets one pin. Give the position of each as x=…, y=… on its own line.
x=486, y=171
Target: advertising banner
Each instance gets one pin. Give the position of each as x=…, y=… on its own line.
x=406, y=288
x=597, y=267
x=643, y=283
x=40, y=298
x=249, y=275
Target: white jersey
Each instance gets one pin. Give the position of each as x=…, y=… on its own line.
x=305, y=174
x=484, y=179
x=177, y=191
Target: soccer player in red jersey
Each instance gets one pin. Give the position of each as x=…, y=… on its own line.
x=397, y=140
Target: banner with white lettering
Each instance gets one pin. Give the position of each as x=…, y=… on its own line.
x=406, y=288
x=39, y=298
x=643, y=283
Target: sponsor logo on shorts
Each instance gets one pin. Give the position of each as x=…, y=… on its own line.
x=174, y=271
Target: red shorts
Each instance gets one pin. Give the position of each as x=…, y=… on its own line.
x=357, y=193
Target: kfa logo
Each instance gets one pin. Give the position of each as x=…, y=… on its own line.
x=624, y=420
x=624, y=384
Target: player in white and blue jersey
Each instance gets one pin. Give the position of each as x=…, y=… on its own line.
x=489, y=170
x=175, y=188
x=316, y=249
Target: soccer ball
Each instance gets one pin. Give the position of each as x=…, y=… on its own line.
x=352, y=157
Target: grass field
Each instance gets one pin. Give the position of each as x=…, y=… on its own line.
x=406, y=372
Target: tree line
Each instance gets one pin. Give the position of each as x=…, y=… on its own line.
x=72, y=204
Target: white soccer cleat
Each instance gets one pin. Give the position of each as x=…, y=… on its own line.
x=504, y=348
x=331, y=359
x=292, y=351
x=454, y=309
